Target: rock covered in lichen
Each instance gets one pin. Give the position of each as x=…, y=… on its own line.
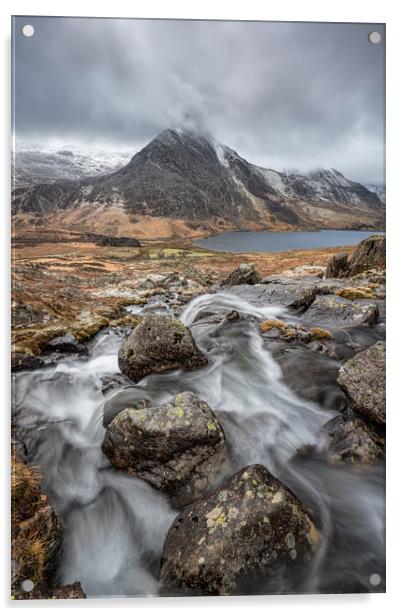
x=363, y=378
x=245, y=273
x=178, y=447
x=157, y=344
x=250, y=525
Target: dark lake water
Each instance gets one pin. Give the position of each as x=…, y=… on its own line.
x=270, y=241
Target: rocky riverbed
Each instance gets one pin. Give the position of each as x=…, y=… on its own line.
x=229, y=439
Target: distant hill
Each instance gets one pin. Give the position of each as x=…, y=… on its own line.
x=184, y=184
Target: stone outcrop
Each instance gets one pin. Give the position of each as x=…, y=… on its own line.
x=159, y=343
x=178, y=447
x=251, y=525
x=363, y=378
x=246, y=273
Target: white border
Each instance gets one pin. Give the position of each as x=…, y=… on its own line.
x=292, y=10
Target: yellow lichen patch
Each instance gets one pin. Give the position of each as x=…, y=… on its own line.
x=313, y=535
x=272, y=323
x=356, y=293
x=215, y=518
x=320, y=333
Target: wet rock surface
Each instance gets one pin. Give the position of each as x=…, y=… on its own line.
x=354, y=441
x=363, y=378
x=341, y=311
x=159, y=343
x=65, y=344
x=251, y=525
x=22, y=361
x=178, y=447
x=246, y=273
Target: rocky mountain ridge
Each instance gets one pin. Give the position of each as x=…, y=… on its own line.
x=190, y=178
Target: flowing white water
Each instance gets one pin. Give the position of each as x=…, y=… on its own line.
x=115, y=525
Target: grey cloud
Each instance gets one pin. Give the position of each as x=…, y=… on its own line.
x=281, y=94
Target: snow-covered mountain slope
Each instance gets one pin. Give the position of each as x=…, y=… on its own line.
x=190, y=177
x=36, y=165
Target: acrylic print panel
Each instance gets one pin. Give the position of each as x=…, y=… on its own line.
x=198, y=308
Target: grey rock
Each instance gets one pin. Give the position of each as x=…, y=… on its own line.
x=65, y=344
x=246, y=273
x=354, y=441
x=338, y=266
x=178, y=447
x=363, y=378
x=341, y=311
x=250, y=525
x=369, y=254
x=159, y=343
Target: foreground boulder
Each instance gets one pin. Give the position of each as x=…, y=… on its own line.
x=178, y=447
x=363, y=378
x=157, y=344
x=251, y=525
x=246, y=273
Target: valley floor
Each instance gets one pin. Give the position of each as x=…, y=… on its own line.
x=79, y=287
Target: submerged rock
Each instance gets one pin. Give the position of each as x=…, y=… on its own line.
x=338, y=266
x=157, y=344
x=354, y=441
x=341, y=311
x=363, y=378
x=178, y=447
x=246, y=273
x=251, y=525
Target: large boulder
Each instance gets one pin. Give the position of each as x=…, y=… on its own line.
x=159, y=343
x=335, y=310
x=178, y=447
x=363, y=378
x=250, y=525
x=354, y=441
x=337, y=266
x=369, y=254
x=246, y=273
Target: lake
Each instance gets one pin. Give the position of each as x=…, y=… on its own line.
x=271, y=241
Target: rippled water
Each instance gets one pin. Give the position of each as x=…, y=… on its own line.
x=115, y=525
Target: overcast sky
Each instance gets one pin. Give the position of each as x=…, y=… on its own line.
x=281, y=94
